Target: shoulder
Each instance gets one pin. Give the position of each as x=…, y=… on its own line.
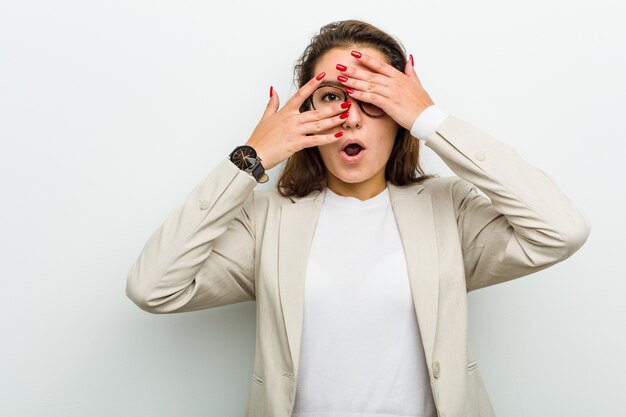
x=269, y=197
x=450, y=186
x=451, y=191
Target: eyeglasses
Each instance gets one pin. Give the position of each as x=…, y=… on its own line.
x=326, y=96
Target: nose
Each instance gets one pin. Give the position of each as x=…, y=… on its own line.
x=355, y=115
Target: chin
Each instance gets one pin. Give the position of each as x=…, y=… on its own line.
x=351, y=177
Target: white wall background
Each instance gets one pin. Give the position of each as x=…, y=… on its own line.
x=111, y=112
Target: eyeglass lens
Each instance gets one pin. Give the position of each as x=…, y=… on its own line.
x=327, y=96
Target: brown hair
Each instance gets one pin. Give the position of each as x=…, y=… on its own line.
x=305, y=171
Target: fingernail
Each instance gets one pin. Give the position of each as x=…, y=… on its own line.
x=343, y=115
x=339, y=134
x=349, y=91
x=346, y=104
x=342, y=78
x=412, y=63
x=341, y=67
x=356, y=54
x=271, y=90
x=320, y=75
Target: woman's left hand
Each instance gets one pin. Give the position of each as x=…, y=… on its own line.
x=400, y=95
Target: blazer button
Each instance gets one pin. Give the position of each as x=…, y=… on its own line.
x=436, y=369
x=203, y=204
x=480, y=155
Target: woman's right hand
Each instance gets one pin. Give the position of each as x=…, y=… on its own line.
x=281, y=133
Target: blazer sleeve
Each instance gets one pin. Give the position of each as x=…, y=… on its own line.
x=202, y=256
x=525, y=225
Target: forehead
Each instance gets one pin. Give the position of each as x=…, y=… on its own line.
x=336, y=56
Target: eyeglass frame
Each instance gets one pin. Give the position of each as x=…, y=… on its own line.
x=346, y=95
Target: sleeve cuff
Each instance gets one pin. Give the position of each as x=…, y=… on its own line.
x=427, y=122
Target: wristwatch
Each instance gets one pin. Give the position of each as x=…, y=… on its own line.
x=245, y=158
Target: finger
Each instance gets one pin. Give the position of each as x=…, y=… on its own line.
x=366, y=86
x=304, y=92
x=410, y=69
x=314, y=114
x=375, y=99
x=319, y=126
x=272, y=104
x=374, y=63
x=320, y=140
x=364, y=75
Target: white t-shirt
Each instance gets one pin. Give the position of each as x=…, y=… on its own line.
x=361, y=352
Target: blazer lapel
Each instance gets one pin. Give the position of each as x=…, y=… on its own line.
x=414, y=215
x=414, y=218
x=297, y=227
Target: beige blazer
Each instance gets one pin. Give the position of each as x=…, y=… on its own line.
x=230, y=243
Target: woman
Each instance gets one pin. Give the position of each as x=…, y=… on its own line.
x=359, y=264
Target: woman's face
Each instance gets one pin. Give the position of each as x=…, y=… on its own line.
x=365, y=174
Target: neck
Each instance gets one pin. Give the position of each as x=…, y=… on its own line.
x=362, y=190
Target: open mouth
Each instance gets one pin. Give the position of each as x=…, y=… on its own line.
x=353, y=149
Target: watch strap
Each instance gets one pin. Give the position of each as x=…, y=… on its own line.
x=245, y=158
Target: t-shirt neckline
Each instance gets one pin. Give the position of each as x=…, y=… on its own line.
x=379, y=199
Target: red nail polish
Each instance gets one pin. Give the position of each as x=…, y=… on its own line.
x=349, y=91
x=412, y=62
x=271, y=90
x=343, y=115
x=346, y=104
x=320, y=76
x=338, y=134
x=341, y=67
x=356, y=54
x=342, y=78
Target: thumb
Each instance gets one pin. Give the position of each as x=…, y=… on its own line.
x=272, y=104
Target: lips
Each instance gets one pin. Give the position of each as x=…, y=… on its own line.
x=352, y=150
x=347, y=142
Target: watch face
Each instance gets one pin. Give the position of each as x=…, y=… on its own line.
x=243, y=157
